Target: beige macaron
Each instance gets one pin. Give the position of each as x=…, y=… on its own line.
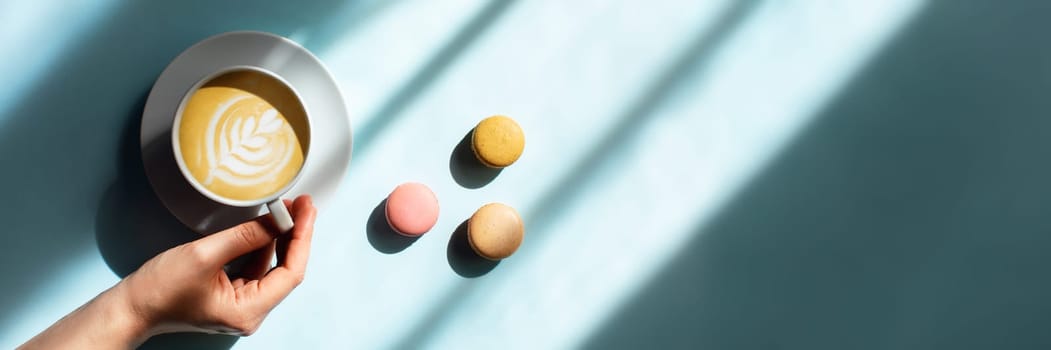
x=495, y=231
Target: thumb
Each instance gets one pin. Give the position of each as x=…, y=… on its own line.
x=228, y=244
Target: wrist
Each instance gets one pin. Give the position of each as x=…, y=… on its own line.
x=129, y=322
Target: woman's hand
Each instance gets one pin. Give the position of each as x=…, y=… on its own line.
x=186, y=288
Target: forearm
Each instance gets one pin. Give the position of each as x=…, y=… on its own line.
x=106, y=322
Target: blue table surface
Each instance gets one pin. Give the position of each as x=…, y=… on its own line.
x=706, y=174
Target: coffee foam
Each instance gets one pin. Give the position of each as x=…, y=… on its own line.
x=244, y=149
x=237, y=143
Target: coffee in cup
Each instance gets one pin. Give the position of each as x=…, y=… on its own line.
x=241, y=137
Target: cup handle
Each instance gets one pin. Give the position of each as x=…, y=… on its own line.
x=280, y=214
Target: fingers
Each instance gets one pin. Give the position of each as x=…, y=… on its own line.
x=259, y=263
x=223, y=246
x=295, y=255
x=293, y=262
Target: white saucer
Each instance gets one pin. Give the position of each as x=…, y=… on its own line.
x=330, y=145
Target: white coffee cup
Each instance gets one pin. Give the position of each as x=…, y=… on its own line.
x=274, y=204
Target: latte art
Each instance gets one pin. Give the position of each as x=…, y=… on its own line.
x=245, y=143
x=241, y=143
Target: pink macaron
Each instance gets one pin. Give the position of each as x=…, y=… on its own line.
x=412, y=209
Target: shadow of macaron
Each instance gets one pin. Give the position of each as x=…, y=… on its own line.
x=465, y=167
x=463, y=259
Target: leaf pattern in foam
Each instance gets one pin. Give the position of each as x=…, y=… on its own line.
x=269, y=123
x=247, y=144
x=247, y=129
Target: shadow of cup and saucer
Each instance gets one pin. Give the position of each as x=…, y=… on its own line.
x=132, y=226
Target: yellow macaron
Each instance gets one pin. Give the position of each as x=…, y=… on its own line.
x=497, y=141
x=495, y=231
